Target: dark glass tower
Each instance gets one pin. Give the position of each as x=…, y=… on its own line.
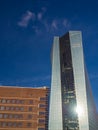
x=71, y=101
x=70, y=119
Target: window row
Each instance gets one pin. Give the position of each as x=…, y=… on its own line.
x=15, y=116
x=11, y=108
x=14, y=124
x=18, y=116
x=15, y=101
x=14, y=108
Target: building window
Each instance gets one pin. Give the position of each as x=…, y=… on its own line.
x=3, y=101
x=29, y=116
x=8, y=101
x=10, y=116
x=41, y=128
x=1, y=115
x=14, y=124
x=42, y=113
x=20, y=116
x=29, y=124
x=30, y=108
x=17, y=108
x=42, y=105
x=16, y=116
x=10, y=124
x=2, y=108
x=12, y=108
x=17, y=101
x=5, y=115
x=19, y=124
x=7, y=108
x=42, y=98
x=31, y=102
x=41, y=121
x=22, y=108
x=4, y=124
x=13, y=101
x=22, y=101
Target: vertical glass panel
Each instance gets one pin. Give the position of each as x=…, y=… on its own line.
x=70, y=119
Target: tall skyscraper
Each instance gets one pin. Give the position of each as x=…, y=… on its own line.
x=71, y=102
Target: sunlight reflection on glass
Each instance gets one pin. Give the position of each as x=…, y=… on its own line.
x=79, y=110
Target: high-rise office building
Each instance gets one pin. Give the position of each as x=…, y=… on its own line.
x=71, y=102
x=23, y=108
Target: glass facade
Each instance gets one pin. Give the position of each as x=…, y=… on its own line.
x=55, y=111
x=92, y=113
x=70, y=119
x=71, y=101
x=79, y=78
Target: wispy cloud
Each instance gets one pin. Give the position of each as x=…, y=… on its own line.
x=41, y=22
x=66, y=23
x=60, y=24
x=39, y=16
x=41, y=13
x=54, y=24
x=26, y=19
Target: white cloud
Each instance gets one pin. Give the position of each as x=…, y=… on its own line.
x=26, y=19
x=60, y=24
x=66, y=23
x=54, y=24
x=41, y=22
x=40, y=15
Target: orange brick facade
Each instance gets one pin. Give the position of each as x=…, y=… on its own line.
x=23, y=108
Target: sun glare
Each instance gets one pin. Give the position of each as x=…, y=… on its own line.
x=79, y=110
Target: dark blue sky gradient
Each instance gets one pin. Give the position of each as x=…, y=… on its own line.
x=27, y=28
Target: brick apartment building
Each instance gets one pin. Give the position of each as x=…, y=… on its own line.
x=23, y=108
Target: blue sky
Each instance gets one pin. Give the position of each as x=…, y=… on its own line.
x=27, y=28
